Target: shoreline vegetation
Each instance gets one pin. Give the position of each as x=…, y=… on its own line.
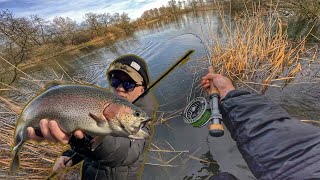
x=256, y=52
x=30, y=40
x=256, y=49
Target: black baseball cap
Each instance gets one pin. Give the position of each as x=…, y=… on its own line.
x=133, y=65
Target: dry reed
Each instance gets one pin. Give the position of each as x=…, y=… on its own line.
x=36, y=159
x=255, y=49
x=163, y=154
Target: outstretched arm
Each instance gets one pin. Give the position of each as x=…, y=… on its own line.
x=274, y=145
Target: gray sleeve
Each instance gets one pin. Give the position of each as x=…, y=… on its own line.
x=137, y=148
x=116, y=151
x=274, y=145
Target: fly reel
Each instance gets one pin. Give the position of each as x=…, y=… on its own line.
x=197, y=113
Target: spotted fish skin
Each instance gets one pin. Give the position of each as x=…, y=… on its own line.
x=79, y=107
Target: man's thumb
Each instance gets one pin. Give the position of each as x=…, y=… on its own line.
x=69, y=163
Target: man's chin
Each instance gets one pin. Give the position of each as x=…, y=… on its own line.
x=121, y=95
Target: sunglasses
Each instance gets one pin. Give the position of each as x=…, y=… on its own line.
x=128, y=86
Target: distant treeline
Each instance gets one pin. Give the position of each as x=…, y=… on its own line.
x=34, y=38
x=174, y=8
x=30, y=39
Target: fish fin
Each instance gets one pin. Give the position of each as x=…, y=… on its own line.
x=52, y=84
x=14, y=164
x=139, y=135
x=99, y=121
x=96, y=142
x=20, y=138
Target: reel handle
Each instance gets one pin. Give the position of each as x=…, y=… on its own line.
x=216, y=128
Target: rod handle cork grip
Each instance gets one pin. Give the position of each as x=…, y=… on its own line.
x=216, y=128
x=213, y=89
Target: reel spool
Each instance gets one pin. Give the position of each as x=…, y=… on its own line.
x=197, y=112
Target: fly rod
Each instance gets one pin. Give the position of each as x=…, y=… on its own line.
x=183, y=58
x=65, y=163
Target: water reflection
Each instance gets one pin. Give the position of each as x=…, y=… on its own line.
x=209, y=168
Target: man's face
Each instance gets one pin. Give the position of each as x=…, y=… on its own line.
x=130, y=96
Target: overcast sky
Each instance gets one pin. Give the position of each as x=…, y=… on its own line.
x=76, y=9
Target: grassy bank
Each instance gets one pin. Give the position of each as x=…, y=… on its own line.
x=48, y=52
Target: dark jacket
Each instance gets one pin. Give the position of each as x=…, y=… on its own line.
x=117, y=158
x=274, y=144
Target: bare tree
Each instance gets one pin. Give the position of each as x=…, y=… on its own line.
x=163, y=11
x=92, y=21
x=172, y=4
x=105, y=19
x=124, y=23
x=18, y=39
x=180, y=5
x=17, y=30
x=156, y=12
x=64, y=30
x=41, y=25
x=145, y=15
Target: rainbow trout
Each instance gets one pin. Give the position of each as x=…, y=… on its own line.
x=93, y=110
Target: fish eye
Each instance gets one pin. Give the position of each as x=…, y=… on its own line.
x=137, y=114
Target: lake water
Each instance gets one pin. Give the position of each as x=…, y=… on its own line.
x=178, y=150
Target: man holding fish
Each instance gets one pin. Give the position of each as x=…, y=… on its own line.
x=116, y=157
x=274, y=144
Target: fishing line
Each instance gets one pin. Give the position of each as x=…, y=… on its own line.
x=183, y=58
x=173, y=66
x=204, y=44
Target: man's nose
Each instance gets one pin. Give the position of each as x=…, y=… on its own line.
x=120, y=88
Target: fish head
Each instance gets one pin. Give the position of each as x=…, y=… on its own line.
x=126, y=120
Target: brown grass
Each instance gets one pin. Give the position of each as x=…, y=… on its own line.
x=255, y=51
x=36, y=159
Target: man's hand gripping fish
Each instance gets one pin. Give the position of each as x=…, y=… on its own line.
x=93, y=110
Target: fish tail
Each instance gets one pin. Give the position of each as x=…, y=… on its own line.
x=20, y=137
x=14, y=164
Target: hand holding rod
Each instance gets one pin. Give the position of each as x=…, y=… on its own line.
x=52, y=175
x=216, y=128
